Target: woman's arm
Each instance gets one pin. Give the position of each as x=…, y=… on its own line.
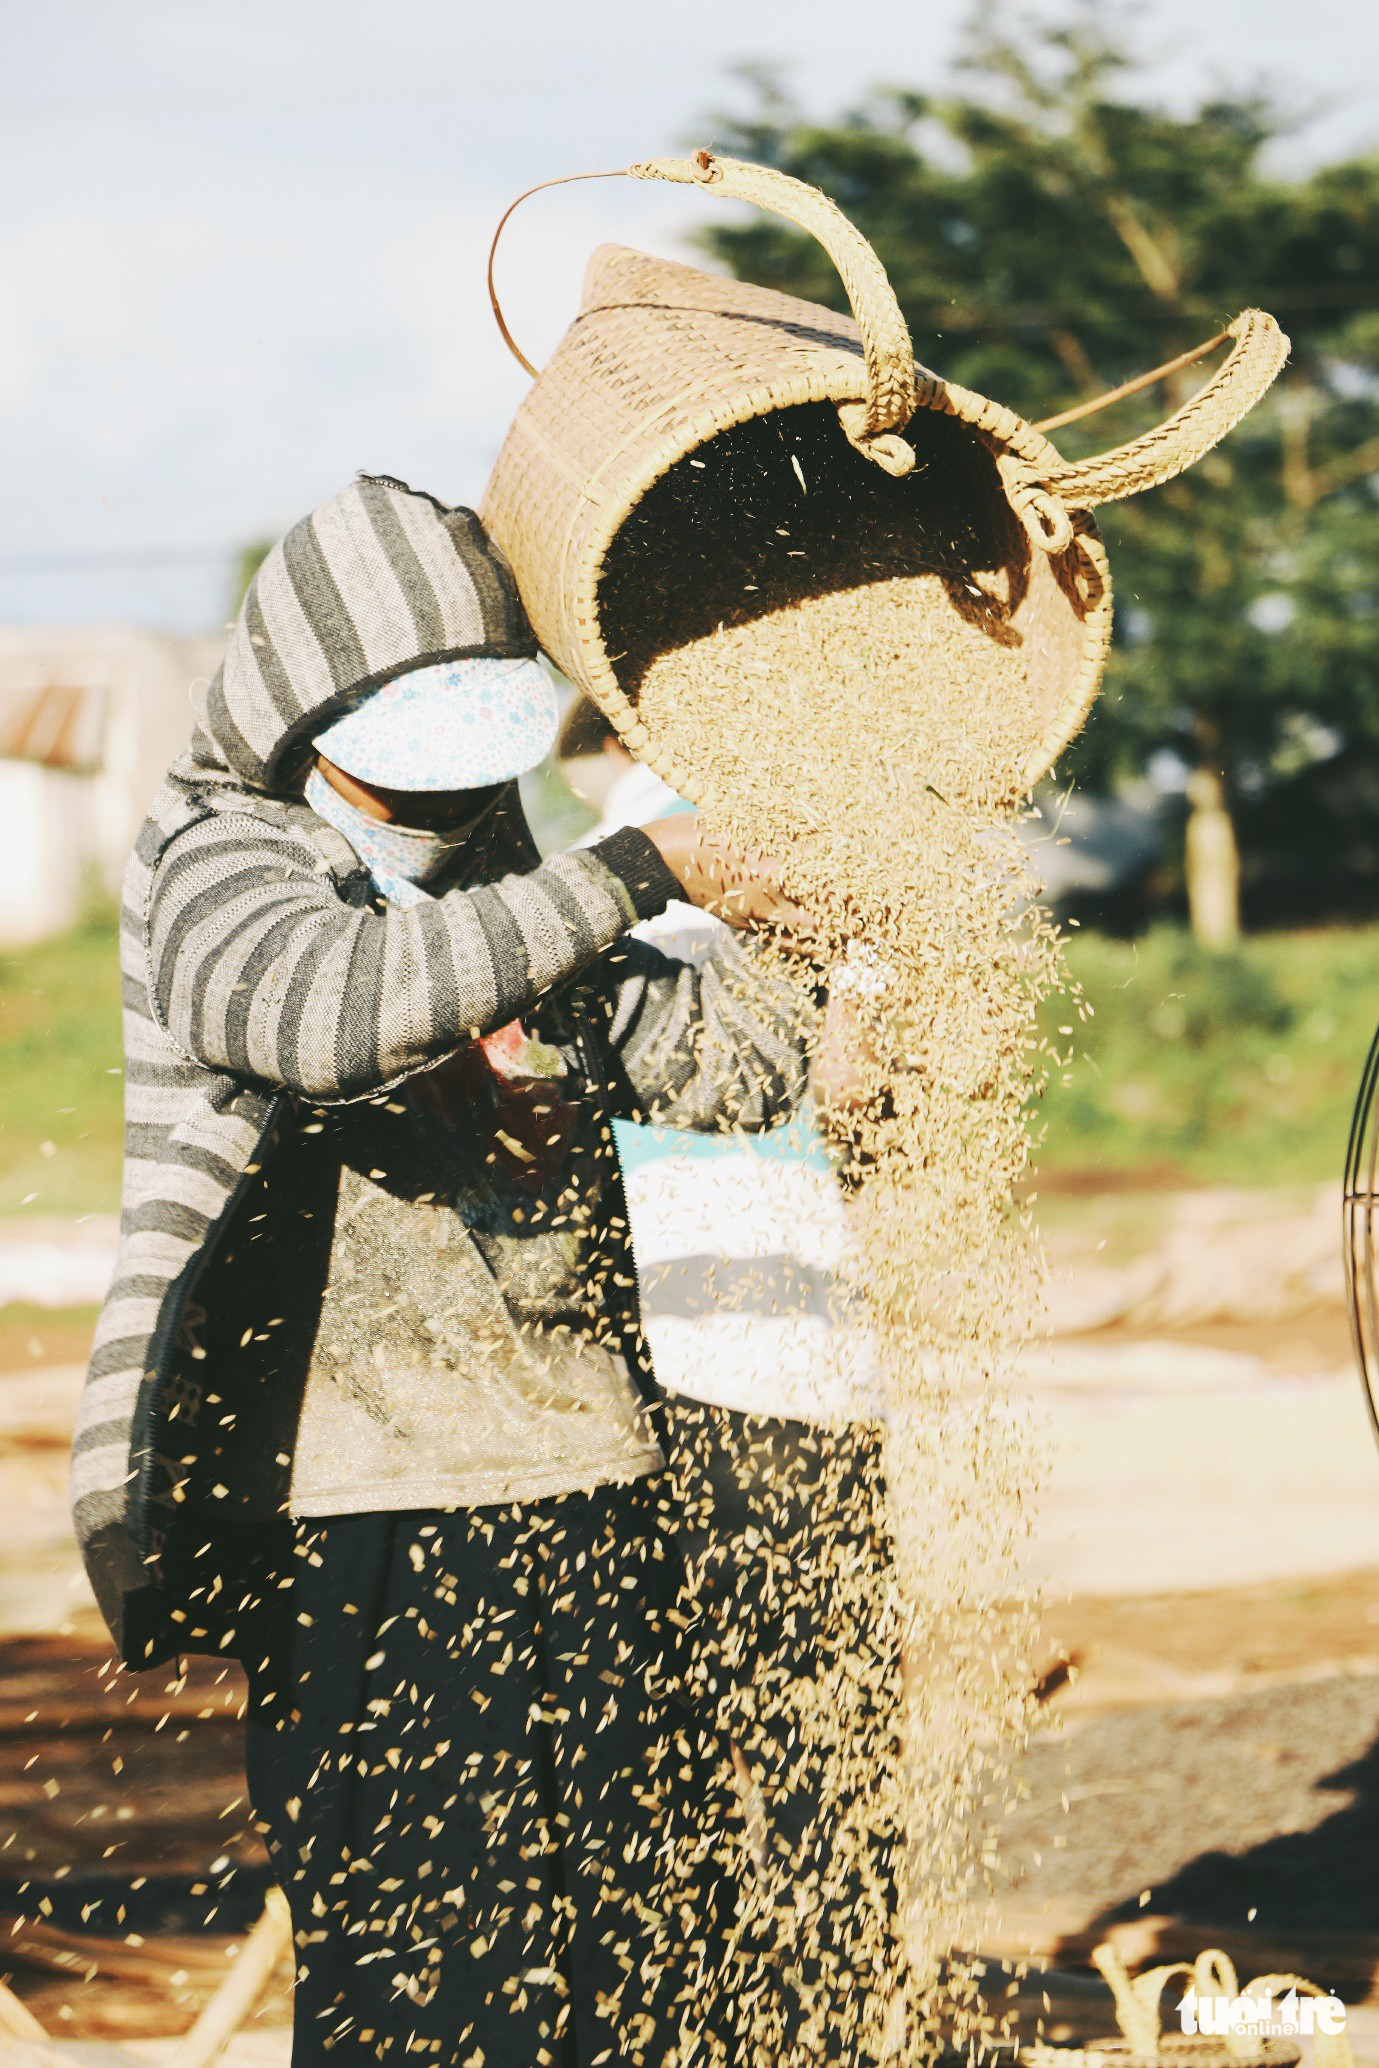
x=725, y=1044
x=845, y=1072
x=743, y=890
x=257, y=966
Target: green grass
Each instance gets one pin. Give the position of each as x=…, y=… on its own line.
x=61, y=1073
x=1226, y=1069
x=44, y=1335
x=1235, y=1069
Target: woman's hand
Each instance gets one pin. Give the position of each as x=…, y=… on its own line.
x=742, y=889
x=845, y=1070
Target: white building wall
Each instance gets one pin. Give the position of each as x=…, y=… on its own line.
x=61, y=831
x=45, y=850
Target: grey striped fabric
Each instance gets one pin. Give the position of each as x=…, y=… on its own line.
x=423, y=584
x=259, y=970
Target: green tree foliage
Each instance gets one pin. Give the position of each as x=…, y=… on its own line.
x=247, y=564
x=1050, y=235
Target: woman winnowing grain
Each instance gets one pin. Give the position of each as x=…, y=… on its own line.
x=367, y=1407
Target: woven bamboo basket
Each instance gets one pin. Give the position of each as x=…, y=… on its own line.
x=701, y=451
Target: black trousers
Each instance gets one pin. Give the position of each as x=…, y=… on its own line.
x=470, y=1774
x=498, y=1758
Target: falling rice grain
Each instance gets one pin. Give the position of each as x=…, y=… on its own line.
x=871, y=737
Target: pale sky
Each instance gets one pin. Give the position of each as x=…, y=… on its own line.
x=241, y=247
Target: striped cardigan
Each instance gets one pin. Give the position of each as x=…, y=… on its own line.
x=260, y=971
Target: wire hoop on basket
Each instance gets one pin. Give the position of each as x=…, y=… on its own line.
x=1360, y=1202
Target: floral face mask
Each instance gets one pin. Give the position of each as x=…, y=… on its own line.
x=401, y=859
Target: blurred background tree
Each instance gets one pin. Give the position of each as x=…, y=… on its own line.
x=1050, y=236
x=248, y=561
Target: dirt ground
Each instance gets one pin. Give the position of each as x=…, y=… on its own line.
x=1206, y=1770
x=1137, y=1647
x=1207, y=1764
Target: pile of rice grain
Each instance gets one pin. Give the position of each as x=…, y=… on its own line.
x=870, y=738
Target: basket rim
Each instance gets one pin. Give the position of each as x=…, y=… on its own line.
x=699, y=427
x=836, y=375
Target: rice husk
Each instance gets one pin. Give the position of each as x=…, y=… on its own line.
x=867, y=729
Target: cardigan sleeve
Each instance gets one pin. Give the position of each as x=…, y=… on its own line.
x=258, y=966
x=726, y=1044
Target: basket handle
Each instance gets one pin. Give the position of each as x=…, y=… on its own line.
x=889, y=355
x=890, y=361
x=1242, y=379
x=1042, y=494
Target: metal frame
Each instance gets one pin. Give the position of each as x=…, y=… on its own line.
x=1359, y=1207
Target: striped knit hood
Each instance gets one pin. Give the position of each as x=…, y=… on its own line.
x=379, y=580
